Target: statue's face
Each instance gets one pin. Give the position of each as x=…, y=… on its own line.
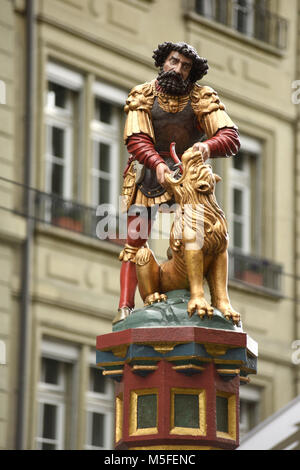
x=178, y=63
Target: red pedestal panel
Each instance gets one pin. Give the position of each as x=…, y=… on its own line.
x=178, y=386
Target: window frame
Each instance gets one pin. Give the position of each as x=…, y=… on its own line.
x=109, y=134
x=274, y=39
x=253, y=395
x=63, y=119
x=102, y=403
x=53, y=394
x=244, y=180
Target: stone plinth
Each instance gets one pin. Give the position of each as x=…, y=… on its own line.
x=177, y=387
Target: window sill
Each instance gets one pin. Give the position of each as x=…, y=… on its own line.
x=252, y=42
x=255, y=290
x=78, y=238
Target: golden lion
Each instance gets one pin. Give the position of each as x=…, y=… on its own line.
x=198, y=245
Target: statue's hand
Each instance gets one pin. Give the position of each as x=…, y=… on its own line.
x=161, y=170
x=203, y=148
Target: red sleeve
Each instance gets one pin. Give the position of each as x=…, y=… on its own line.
x=141, y=147
x=225, y=143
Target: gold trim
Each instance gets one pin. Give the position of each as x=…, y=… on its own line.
x=228, y=371
x=172, y=104
x=142, y=200
x=119, y=417
x=113, y=372
x=129, y=187
x=164, y=348
x=120, y=351
x=107, y=364
x=138, y=108
x=231, y=434
x=216, y=349
x=245, y=379
x=188, y=366
x=133, y=429
x=201, y=431
x=137, y=367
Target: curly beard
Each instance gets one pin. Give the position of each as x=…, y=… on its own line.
x=173, y=84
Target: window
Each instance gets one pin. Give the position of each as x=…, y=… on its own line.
x=99, y=414
x=213, y=9
x=250, y=398
x=106, y=143
x=55, y=395
x=59, y=399
x=80, y=169
x=252, y=18
x=244, y=214
x=61, y=115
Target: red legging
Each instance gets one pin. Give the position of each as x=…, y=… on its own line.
x=128, y=278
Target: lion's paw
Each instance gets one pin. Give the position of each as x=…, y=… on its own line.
x=201, y=306
x=156, y=297
x=229, y=313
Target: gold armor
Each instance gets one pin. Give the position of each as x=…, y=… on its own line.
x=206, y=105
x=210, y=111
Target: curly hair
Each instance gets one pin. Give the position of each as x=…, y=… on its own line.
x=200, y=66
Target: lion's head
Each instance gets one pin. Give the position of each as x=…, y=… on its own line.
x=197, y=179
x=196, y=188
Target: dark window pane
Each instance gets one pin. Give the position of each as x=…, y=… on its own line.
x=49, y=423
x=238, y=202
x=238, y=234
x=104, y=157
x=186, y=411
x=58, y=138
x=104, y=186
x=103, y=111
x=222, y=414
x=57, y=179
x=238, y=162
x=243, y=13
x=261, y=20
x=97, y=429
x=47, y=446
x=200, y=7
x=146, y=411
x=60, y=95
x=221, y=11
x=97, y=381
x=50, y=370
x=248, y=414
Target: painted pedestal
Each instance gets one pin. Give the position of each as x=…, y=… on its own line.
x=177, y=386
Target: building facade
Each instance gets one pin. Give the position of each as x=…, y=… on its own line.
x=66, y=67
